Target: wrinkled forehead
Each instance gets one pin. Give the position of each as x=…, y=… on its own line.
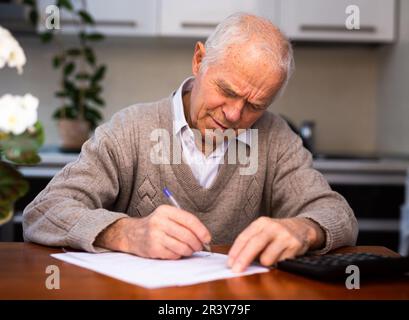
x=249, y=69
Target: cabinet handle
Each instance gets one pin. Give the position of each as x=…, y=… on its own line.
x=104, y=23
x=197, y=25
x=334, y=28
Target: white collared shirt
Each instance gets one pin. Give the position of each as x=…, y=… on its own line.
x=204, y=168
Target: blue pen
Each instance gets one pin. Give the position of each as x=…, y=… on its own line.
x=172, y=199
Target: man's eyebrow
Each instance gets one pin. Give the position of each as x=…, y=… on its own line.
x=228, y=89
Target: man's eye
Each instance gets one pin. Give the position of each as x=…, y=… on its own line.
x=229, y=94
x=254, y=108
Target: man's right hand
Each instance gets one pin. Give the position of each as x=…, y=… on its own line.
x=167, y=233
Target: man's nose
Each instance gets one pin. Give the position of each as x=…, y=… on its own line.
x=232, y=111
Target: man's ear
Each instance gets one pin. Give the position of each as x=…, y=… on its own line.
x=198, y=57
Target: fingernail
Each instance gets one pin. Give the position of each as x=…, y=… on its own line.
x=206, y=247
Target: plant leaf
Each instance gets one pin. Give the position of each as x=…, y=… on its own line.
x=61, y=94
x=93, y=116
x=99, y=74
x=33, y=17
x=93, y=113
x=73, y=52
x=65, y=4
x=82, y=76
x=57, y=61
x=86, y=17
x=69, y=86
x=12, y=187
x=65, y=112
x=94, y=36
x=98, y=100
x=69, y=68
x=95, y=89
x=46, y=36
x=89, y=55
x=72, y=92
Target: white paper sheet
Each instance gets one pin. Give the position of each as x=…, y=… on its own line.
x=150, y=273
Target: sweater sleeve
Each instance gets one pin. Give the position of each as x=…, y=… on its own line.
x=74, y=208
x=299, y=190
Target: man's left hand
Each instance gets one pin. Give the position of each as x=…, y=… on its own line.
x=274, y=240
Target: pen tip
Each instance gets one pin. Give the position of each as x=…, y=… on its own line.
x=166, y=192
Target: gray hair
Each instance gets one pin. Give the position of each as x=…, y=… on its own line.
x=238, y=29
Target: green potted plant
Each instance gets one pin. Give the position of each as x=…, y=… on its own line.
x=81, y=75
x=21, y=135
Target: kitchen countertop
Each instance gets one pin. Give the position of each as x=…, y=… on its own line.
x=381, y=165
x=354, y=170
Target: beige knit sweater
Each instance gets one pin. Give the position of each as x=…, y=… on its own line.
x=114, y=177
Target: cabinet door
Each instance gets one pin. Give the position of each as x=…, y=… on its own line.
x=119, y=17
x=198, y=18
x=324, y=20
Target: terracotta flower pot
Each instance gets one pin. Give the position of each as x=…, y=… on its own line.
x=73, y=133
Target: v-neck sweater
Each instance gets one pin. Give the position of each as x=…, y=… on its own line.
x=114, y=177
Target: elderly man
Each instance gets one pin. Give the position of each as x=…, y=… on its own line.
x=111, y=197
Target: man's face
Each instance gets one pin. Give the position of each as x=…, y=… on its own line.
x=233, y=92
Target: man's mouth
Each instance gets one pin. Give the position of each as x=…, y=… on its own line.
x=219, y=124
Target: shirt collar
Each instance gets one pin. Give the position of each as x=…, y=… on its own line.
x=179, y=121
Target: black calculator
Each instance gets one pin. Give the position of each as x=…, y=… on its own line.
x=333, y=267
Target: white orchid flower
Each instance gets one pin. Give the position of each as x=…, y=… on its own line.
x=10, y=51
x=17, y=114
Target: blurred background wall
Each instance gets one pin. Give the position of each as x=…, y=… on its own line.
x=336, y=86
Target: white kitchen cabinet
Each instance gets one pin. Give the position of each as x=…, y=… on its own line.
x=187, y=18
x=118, y=18
x=324, y=20
x=301, y=20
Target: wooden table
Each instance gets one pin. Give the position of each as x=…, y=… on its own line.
x=23, y=265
